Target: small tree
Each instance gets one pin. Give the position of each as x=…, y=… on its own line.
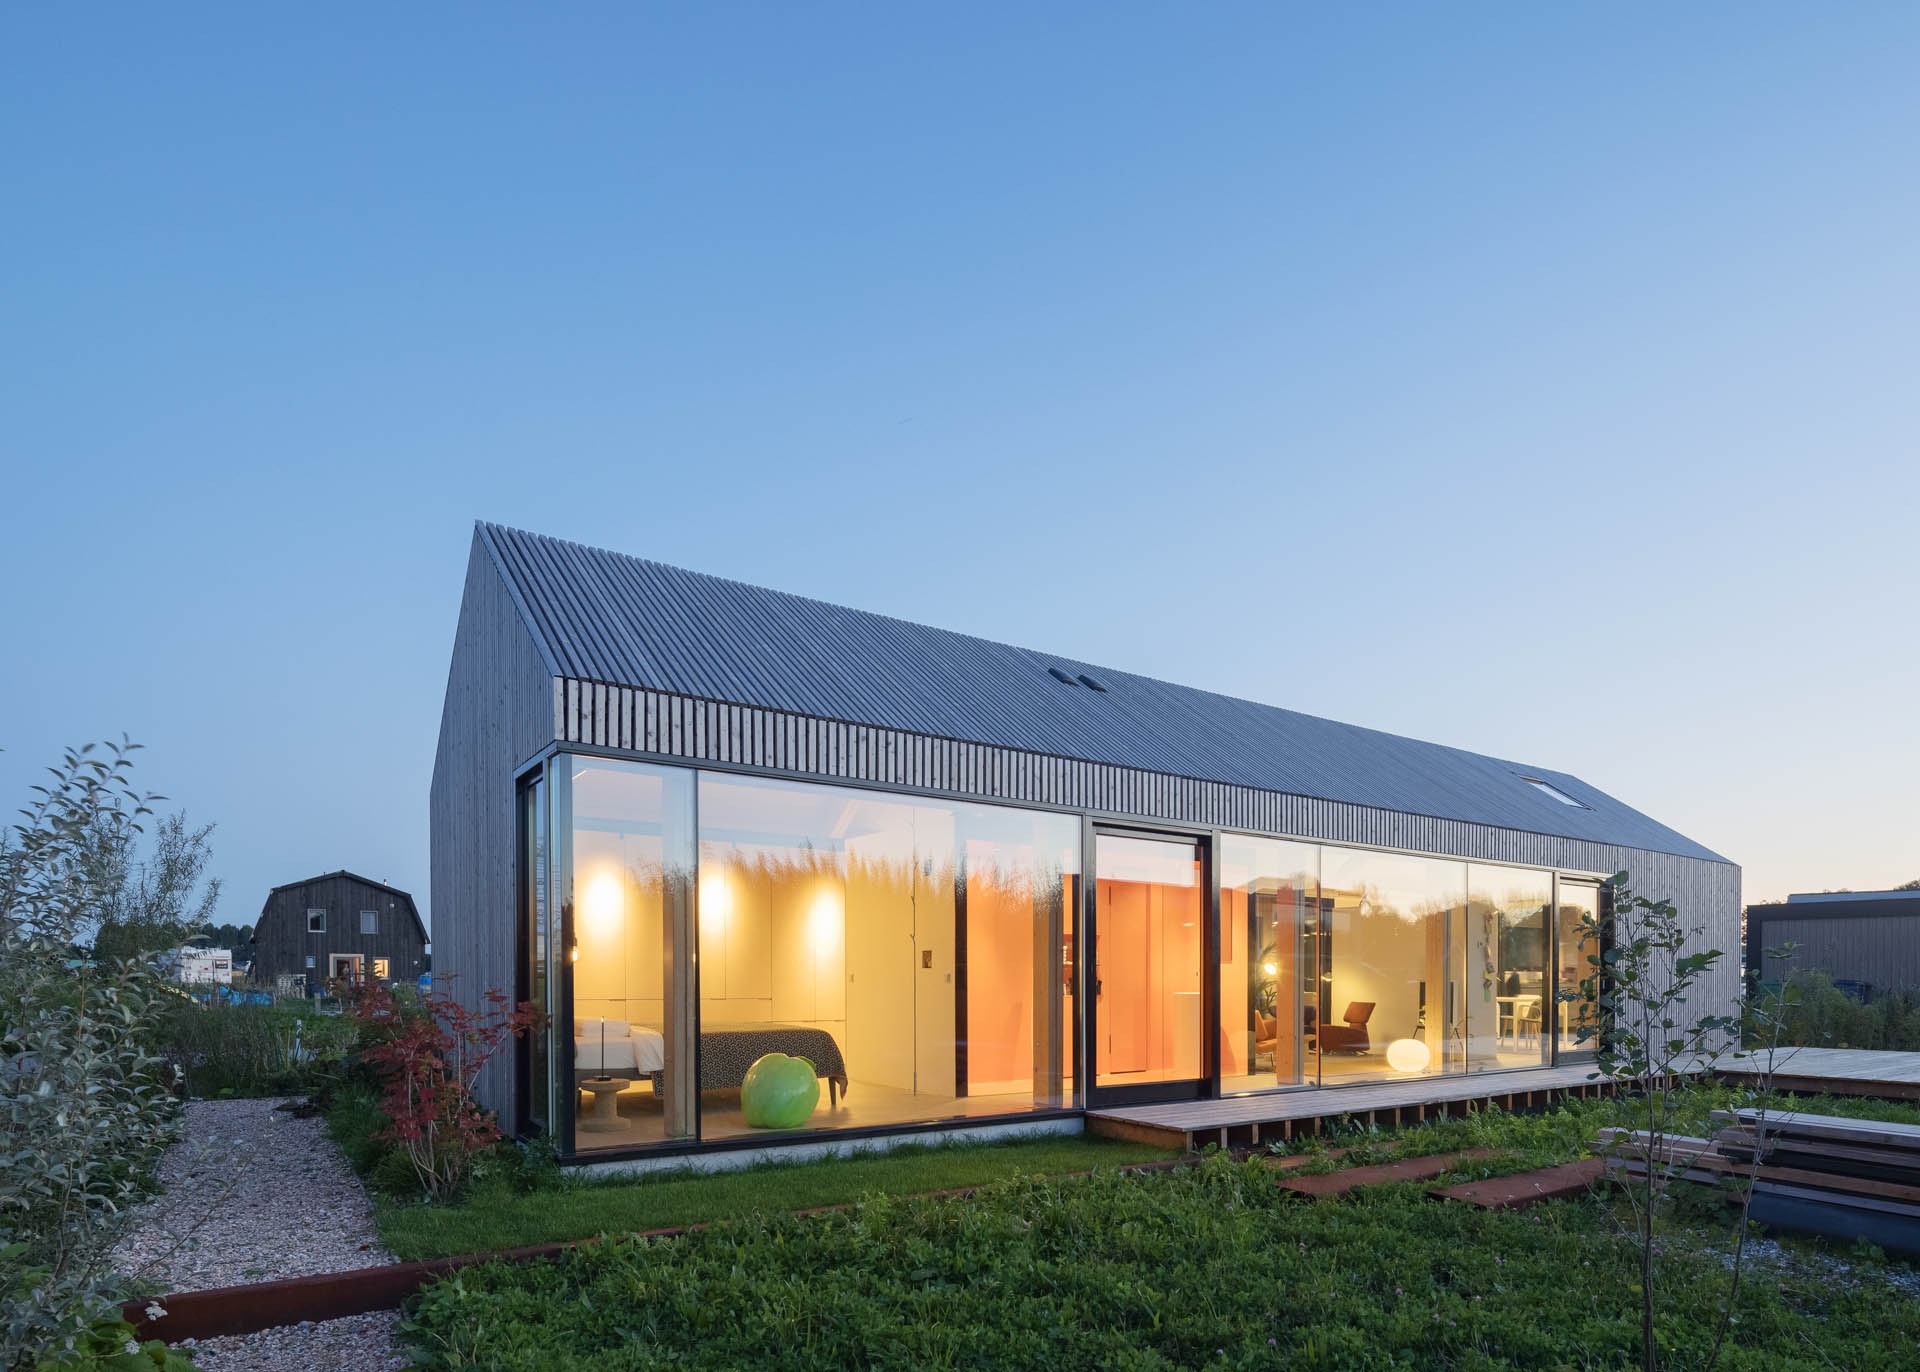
x=160, y=900
x=1641, y=981
x=84, y=1107
x=428, y=1058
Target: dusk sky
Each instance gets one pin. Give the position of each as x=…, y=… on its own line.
x=1540, y=380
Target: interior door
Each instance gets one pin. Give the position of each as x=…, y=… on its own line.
x=1152, y=907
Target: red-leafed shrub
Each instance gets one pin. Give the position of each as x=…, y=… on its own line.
x=427, y=1058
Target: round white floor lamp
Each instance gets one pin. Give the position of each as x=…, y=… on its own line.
x=1408, y=1055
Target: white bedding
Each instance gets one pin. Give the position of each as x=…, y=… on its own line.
x=640, y=1052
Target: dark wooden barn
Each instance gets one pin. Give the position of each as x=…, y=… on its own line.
x=339, y=927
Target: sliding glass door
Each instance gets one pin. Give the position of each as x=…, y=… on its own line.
x=1151, y=913
x=1393, y=938
x=1270, y=939
x=1341, y=965
x=1575, y=920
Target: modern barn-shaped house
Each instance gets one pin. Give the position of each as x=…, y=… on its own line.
x=976, y=885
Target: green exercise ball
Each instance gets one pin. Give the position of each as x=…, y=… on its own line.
x=779, y=1092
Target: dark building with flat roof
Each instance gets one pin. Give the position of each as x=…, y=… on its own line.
x=1866, y=940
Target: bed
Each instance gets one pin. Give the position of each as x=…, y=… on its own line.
x=728, y=1050
x=615, y=1048
x=610, y=1047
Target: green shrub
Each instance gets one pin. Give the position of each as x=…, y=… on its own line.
x=1818, y=1014
x=109, y=1345
x=354, y=1121
x=1206, y=1267
x=392, y=1174
x=254, y=1050
x=85, y=1107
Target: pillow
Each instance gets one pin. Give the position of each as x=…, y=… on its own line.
x=586, y=1028
x=618, y=1029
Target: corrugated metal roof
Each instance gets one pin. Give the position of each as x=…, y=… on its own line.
x=610, y=617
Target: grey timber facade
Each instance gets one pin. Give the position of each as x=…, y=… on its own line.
x=1287, y=839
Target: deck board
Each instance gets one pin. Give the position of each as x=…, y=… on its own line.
x=1842, y=1071
x=1252, y=1119
x=1275, y=1114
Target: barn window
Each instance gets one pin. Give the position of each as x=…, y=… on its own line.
x=369, y=921
x=382, y=968
x=309, y=959
x=316, y=921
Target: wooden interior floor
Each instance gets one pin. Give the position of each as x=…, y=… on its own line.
x=862, y=1106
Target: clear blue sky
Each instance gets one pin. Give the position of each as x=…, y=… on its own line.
x=1536, y=379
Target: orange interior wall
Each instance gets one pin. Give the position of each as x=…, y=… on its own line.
x=1149, y=963
x=1125, y=989
x=1000, y=937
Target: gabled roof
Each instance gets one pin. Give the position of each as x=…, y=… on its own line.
x=608, y=617
x=412, y=909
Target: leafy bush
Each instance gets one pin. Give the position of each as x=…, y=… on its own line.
x=1814, y=1013
x=1208, y=1267
x=109, y=1345
x=85, y=1108
x=254, y=1050
x=428, y=1056
x=355, y=1122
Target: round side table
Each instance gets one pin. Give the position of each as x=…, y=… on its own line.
x=606, y=1104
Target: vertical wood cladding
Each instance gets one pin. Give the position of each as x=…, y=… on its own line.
x=499, y=710
x=282, y=942
x=506, y=701
x=594, y=714
x=1881, y=951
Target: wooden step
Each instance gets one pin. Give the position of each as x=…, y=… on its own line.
x=1412, y=1169
x=1630, y=1153
x=1527, y=1188
x=1833, y=1128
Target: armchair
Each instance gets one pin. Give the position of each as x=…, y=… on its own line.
x=1350, y=1037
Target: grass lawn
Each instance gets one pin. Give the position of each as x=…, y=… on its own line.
x=1205, y=1267
x=500, y=1213
x=496, y=1216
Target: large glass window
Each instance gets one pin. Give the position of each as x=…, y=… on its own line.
x=1149, y=961
x=1392, y=964
x=1269, y=975
x=535, y=1064
x=625, y=875
x=1509, y=964
x=1574, y=923
x=913, y=951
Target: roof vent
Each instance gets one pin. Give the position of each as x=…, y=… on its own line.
x=1090, y=683
x=1061, y=677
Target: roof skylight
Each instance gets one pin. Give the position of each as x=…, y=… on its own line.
x=1555, y=792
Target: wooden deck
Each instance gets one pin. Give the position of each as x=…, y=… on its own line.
x=1246, y=1121
x=1836, y=1071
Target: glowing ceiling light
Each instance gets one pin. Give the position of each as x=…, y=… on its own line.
x=603, y=903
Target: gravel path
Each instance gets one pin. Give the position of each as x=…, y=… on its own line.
x=252, y=1194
